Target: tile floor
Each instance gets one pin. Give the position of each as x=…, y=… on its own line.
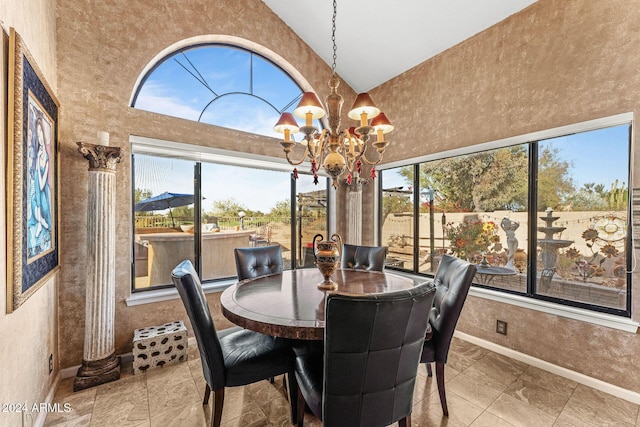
x=484, y=389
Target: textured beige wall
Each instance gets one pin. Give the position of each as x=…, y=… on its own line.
x=556, y=63
x=102, y=49
x=29, y=334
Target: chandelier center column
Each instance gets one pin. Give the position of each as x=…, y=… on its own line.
x=99, y=361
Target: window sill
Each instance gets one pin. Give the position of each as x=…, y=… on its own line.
x=150, y=297
x=600, y=319
x=595, y=318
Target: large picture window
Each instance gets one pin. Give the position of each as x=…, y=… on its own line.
x=582, y=218
x=202, y=211
x=547, y=218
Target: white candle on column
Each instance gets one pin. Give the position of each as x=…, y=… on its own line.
x=103, y=138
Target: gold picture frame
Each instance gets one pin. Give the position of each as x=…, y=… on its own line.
x=32, y=177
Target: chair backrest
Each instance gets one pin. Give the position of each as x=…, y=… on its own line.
x=372, y=351
x=453, y=280
x=258, y=261
x=363, y=257
x=188, y=284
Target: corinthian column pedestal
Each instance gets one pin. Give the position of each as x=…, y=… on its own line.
x=99, y=361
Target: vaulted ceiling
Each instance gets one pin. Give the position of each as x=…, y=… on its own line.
x=379, y=39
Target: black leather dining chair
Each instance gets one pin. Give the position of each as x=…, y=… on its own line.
x=367, y=372
x=258, y=261
x=452, y=280
x=239, y=358
x=363, y=257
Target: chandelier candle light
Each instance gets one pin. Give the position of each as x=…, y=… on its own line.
x=337, y=150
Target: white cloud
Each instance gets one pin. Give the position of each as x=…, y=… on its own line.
x=154, y=97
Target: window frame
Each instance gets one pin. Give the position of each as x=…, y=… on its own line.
x=530, y=298
x=199, y=154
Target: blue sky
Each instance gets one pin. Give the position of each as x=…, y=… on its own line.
x=599, y=156
x=219, y=182
x=248, y=92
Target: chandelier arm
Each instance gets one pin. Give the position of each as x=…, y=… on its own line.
x=322, y=146
x=357, y=145
x=297, y=162
x=369, y=162
x=313, y=149
x=361, y=148
x=352, y=159
x=351, y=166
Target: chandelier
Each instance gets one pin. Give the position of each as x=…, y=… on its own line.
x=339, y=151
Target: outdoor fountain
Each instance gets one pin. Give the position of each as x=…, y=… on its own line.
x=550, y=247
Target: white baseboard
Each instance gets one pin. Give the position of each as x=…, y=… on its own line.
x=69, y=372
x=39, y=420
x=595, y=383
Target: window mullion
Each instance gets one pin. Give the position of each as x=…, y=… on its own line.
x=416, y=217
x=197, y=216
x=251, y=74
x=533, y=209
x=293, y=196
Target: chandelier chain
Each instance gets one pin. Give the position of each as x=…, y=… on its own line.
x=338, y=151
x=333, y=35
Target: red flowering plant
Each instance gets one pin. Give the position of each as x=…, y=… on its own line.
x=470, y=239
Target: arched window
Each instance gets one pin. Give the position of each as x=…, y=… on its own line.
x=206, y=188
x=222, y=85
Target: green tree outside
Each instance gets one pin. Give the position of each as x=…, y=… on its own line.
x=485, y=181
x=554, y=180
x=282, y=208
x=496, y=180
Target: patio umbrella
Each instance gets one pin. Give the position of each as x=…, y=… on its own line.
x=164, y=201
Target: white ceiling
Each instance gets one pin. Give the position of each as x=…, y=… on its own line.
x=380, y=39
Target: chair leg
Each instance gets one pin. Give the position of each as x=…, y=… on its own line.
x=293, y=395
x=207, y=392
x=216, y=413
x=300, y=411
x=428, y=366
x=440, y=381
x=405, y=422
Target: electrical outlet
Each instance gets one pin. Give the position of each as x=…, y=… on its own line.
x=50, y=363
x=501, y=327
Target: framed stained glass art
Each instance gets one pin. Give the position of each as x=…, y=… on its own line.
x=32, y=177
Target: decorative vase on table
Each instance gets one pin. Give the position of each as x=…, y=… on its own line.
x=327, y=254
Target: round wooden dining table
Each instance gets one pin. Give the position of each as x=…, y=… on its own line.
x=290, y=305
